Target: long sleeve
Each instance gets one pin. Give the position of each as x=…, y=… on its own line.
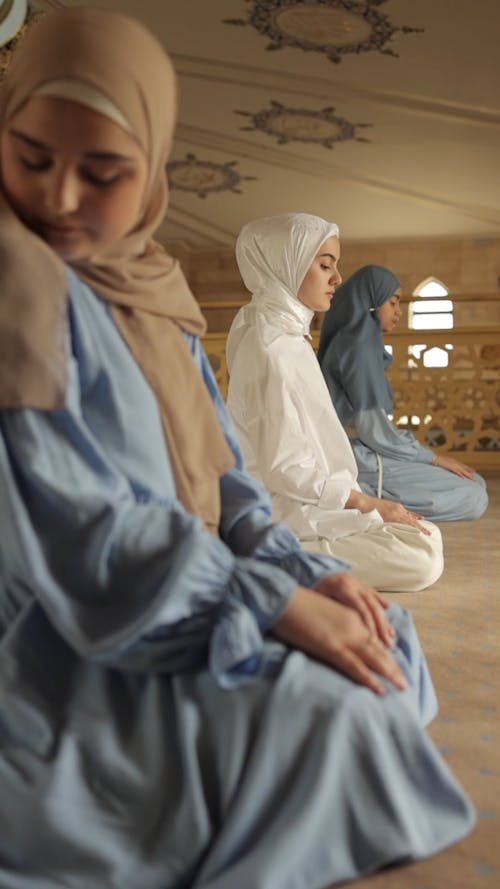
x=376, y=432
x=132, y=584
x=274, y=411
x=246, y=524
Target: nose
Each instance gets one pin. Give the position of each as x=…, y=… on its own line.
x=61, y=192
x=335, y=278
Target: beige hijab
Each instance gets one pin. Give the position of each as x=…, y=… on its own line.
x=151, y=301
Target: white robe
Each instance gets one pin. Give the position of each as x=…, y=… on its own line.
x=291, y=437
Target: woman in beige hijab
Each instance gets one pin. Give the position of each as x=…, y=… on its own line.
x=152, y=736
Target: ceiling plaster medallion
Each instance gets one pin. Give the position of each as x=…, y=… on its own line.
x=15, y=17
x=302, y=125
x=332, y=27
x=204, y=177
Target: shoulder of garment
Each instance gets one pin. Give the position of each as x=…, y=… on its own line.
x=33, y=322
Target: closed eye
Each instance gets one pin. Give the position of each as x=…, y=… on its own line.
x=37, y=166
x=100, y=181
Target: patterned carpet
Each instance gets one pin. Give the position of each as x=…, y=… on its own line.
x=458, y=624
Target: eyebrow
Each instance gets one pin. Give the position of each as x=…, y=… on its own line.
x=91, y=155
x=330, y=255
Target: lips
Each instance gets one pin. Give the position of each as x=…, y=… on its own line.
x=59, y=229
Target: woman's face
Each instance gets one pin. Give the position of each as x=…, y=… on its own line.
x=72, y=175
x=390, y=312
x=323, y=276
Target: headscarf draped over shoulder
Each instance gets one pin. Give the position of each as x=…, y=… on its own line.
x=351, y=350
x=114, y=55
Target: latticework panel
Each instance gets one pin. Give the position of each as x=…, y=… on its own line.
x=455, y=407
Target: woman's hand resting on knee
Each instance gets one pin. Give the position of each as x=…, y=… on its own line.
x=390, y=510
x=336, y=634
x=396, y=512
x=347, y=589
x=452, y=465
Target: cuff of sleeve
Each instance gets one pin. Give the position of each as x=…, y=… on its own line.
x=253, y=604
x=309, y=568
x=335, y=493
x=281, y=547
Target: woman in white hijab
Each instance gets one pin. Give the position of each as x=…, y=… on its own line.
x=291, y=436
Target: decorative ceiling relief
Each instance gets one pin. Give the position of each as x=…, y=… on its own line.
x=15, y=15
x=204, y=177
x=322, y=127
x=332, y=27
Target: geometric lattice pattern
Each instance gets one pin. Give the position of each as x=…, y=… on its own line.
x=454, y=408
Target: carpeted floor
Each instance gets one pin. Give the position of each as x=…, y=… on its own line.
x=458, y=620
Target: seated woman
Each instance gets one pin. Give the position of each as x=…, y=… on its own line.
x=391, y=462
x=291, y=436
x=184, y=701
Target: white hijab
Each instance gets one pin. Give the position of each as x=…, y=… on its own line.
x=274, y=255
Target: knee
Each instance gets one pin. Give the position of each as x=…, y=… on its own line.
x=431, y=569
x=478, y=502
x=473, y=502
x=429, y=559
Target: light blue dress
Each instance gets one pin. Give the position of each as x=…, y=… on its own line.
x=151, y=735
x=404, y=472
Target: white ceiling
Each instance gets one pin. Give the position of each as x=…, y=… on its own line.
x=431, y=114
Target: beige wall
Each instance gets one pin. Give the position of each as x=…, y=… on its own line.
x=465, y=266
x=469, y=267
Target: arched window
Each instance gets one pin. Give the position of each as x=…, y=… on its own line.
x=431, y=311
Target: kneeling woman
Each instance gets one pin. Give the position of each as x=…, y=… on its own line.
x=291, y=436
x=391, y=462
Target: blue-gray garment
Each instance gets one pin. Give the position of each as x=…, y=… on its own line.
x=351, y=349
x=152, y=736
x=354, y=361
x=406, y=474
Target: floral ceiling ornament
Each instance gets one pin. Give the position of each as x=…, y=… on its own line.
x=204, y=177
x=303, y=125
x=332, y=27
x=15, y=17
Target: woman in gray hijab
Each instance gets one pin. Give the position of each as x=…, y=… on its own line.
x=391, y=462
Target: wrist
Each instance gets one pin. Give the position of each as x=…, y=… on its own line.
x=361, y=501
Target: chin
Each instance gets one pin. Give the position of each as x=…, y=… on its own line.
x=69, y=252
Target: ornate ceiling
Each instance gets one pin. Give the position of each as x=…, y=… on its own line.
x=383, y=115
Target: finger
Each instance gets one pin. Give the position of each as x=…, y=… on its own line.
x=355, y=669
x=363, y=607
x=422, y=528
x=415, y=515
x=411, y=519
x=368, y=590
x=382, y=600
x=385, y=630
x=379, y=659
